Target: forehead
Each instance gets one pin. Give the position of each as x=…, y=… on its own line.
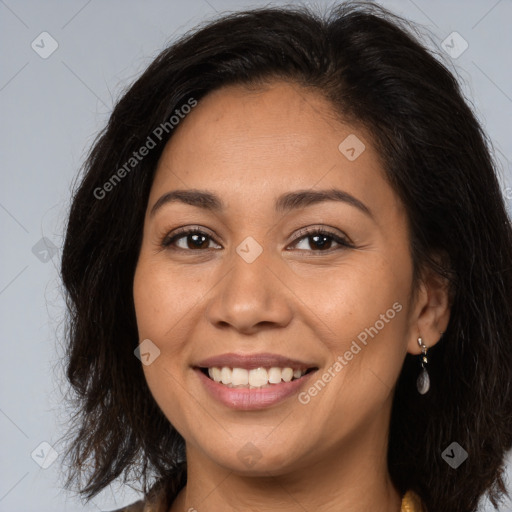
x=260, y=143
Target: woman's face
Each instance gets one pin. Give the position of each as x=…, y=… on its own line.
x=259, y=297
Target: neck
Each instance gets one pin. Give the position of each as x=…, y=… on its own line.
x=352, y=478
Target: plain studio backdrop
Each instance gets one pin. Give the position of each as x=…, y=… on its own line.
x=63, y=65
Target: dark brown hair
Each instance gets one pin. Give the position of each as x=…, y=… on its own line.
x=370, y=66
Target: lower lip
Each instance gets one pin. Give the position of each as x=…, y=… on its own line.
x=246, y=399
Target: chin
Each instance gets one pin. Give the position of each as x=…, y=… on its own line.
x=259, y=459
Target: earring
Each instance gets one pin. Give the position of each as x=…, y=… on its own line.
x=423, y=382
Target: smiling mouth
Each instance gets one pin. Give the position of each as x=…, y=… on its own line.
x=256, y=378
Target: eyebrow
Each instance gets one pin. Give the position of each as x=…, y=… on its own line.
x=286, y=202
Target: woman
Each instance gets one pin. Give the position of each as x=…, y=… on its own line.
x=288, y=275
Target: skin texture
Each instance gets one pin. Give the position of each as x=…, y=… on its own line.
x=296, y=299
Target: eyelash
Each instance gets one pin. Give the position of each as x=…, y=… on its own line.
x=344, y=243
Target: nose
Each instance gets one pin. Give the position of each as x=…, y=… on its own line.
x=250, y=296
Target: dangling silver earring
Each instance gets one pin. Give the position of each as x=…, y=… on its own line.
x=423, y=382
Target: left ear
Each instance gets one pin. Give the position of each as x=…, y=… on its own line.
x=431, y=311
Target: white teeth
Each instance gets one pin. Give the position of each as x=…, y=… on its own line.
x=225, y=375
x=274, y=375
x=215, y=374
x=287, y=374
x=240, y=377
x=258, y=377
x=255, y=378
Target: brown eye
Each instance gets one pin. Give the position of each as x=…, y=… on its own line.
x=321, y=240
x=194, y=239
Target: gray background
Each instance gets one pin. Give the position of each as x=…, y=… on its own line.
x=51, y=109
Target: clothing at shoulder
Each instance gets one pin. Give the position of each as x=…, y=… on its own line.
x=134, y=507
x=411, y=502
x=156, y=504
x=161, y=494
x=143, y=506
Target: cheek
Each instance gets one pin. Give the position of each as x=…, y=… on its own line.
x=164, y=297
x=161, y=308
x=168, y=392
x=366, y=344
x=350, y=298
x=361, y=309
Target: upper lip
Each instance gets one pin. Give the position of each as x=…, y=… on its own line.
x=251, y=361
